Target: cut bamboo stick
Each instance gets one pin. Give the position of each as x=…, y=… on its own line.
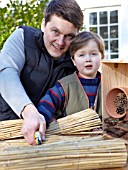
x=49, y=139
x=81, y=123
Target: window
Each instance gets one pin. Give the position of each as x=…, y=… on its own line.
x=104, y=21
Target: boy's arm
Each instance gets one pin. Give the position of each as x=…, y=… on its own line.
x=52, y=102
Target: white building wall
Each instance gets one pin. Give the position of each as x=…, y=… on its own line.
x=123, y=30
x=85, y=4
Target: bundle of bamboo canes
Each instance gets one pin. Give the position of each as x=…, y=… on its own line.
x=68, y=155
x=84, y=122
x=10, y=129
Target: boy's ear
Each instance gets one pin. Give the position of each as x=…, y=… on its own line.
x=73, y=61
x=103, y=56
x=43, y=25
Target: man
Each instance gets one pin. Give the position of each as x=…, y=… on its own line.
x=31, y=61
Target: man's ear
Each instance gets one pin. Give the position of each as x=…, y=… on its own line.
x=43, y=25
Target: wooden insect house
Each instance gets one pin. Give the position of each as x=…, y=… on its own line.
x=115, y=98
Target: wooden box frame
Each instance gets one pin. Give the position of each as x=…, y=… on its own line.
x=114, y=75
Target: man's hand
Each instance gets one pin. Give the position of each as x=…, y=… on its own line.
x=32, y=121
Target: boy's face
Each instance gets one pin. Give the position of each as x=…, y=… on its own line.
x=58, y=35
x=88, y=59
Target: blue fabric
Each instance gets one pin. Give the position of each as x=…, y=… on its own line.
x=90, y=86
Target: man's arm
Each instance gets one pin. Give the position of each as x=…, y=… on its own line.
x=11, y=63
x=12, y=60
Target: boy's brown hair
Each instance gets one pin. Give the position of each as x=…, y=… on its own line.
x=81, y=40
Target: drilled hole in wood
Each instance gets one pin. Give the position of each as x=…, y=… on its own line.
x=116, y=65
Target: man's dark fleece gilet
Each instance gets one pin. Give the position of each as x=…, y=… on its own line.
x=40, y=71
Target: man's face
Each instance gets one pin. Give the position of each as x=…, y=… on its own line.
x=58, y=35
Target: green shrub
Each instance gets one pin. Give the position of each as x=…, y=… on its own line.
x=18, y=13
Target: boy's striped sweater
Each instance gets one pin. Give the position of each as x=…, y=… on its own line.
x=55, y=97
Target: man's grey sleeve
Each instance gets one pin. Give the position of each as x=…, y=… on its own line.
x=12, y=59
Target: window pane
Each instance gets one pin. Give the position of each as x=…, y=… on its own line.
x=106, y=46
x=104, y=32
x=106, y=56
x=114, y=46
x=114, y=16
x=103, y=18
x=114, y=56
x=93, y=18
x=114, y=31
x=93, y=29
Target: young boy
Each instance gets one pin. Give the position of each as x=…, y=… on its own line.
x=80, y=90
